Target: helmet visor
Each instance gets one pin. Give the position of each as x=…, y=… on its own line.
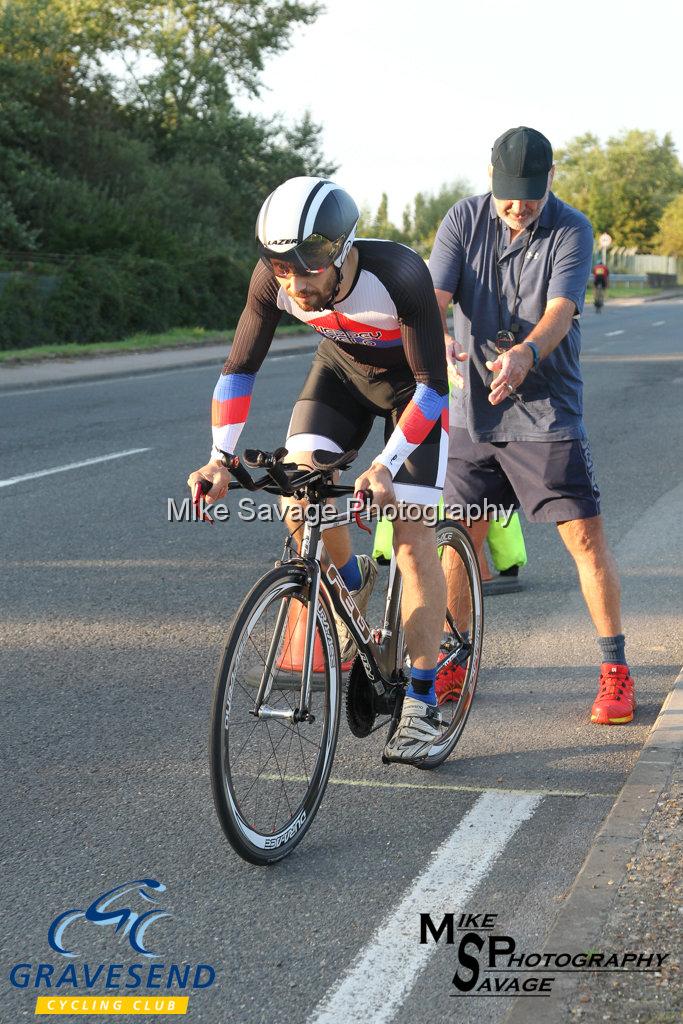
x=312, y=256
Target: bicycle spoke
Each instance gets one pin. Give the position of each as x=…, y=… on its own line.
x=303, y=758
x=256, y=725
x=261, y=767
x=282, y=774
x=283, y=725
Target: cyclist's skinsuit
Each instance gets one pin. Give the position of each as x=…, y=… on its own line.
x=381, y=354
x=600, y=275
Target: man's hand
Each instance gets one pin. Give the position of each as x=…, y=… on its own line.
x=511, y=369
x=217, y=475
x=454, y=354
x=378, y=480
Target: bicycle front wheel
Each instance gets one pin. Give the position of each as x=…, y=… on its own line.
x=269, y=774
x=462, y=636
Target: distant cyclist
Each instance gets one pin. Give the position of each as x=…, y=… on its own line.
x=381, y=353
x=601, y=275
x=600, y=283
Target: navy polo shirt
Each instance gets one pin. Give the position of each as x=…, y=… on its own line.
x=555, y=263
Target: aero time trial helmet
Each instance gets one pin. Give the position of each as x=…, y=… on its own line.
x=305, y=226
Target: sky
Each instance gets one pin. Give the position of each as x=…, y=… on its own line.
x=413, y=95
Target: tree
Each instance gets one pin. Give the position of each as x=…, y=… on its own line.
x=622, y=187
x=198, y=51
x=422, y=223
x=421, y=219
x=135, y=182
x=379, y=226
x=670, y=238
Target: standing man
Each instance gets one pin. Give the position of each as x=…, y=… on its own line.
x=515, y=263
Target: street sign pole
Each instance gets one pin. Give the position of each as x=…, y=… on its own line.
x=605, y=241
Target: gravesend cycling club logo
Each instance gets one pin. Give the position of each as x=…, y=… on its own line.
x=491, y=964
x=128, y=915
x=125, y=920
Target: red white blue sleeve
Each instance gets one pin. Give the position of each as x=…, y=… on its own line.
x=426, y=408
x=255, y=330
x=410, y=285
x=230, y=408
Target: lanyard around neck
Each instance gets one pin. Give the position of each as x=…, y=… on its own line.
x=499, y=288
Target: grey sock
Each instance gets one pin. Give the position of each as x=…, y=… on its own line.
x=612, y=649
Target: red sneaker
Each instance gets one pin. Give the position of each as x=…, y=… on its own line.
x=616, y=699
x=449, y=682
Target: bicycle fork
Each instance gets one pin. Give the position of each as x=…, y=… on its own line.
x=301, y=713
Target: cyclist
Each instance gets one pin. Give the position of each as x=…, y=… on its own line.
x=600, y=275
x=600, y=282
x=381, y=353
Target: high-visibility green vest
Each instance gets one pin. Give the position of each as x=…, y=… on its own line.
x=506, y=543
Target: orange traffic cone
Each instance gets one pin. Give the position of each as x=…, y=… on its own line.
x=292, y=656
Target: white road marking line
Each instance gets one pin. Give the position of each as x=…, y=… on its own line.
x=71, y=465
x=451, y=787
x=659, y=323
x=612, y=334
x=384, y=972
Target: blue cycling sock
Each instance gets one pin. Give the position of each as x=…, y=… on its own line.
x=350, y=573
x=421, y=685
x=613, y=649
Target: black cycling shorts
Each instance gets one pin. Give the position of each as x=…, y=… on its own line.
x=336, y=409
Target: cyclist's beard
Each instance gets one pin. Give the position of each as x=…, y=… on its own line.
x=317, y=302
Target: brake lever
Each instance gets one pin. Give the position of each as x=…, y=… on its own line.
x=201, y=488
x=364, y=497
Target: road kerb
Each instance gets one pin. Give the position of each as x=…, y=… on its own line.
x=92, y=369
x=580, y=923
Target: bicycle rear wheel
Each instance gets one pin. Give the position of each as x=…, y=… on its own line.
x=268, y=775
x=463, y=633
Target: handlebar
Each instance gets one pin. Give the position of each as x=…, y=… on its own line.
x=287, y=479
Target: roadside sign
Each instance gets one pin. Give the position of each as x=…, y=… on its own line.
x=605, y=240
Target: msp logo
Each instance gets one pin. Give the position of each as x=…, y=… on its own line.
x=492, y=965
x=129, y=910
x=124, y=920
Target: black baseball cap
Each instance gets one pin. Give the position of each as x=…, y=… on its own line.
x=521, y=159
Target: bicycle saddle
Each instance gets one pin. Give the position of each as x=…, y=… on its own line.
x=327, y=461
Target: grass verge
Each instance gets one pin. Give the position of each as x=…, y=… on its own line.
x=180, y=337
x=623, y=291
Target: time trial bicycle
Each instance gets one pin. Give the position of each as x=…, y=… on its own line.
x=278, y=693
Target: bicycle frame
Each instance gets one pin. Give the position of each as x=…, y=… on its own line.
x=379, y=659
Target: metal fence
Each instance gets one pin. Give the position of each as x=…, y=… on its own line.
x=625, y=261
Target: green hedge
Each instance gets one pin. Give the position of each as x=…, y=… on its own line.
x=96, y=299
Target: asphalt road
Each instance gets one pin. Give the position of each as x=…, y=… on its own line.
x=112, y=624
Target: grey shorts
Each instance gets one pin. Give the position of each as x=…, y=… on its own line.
x=552, y=481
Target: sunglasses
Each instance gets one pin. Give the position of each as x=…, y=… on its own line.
x=312, y=256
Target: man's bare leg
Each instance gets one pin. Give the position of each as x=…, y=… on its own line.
x=456, y=579
x=423, y=605
x=337, y=540
x=586, y=542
